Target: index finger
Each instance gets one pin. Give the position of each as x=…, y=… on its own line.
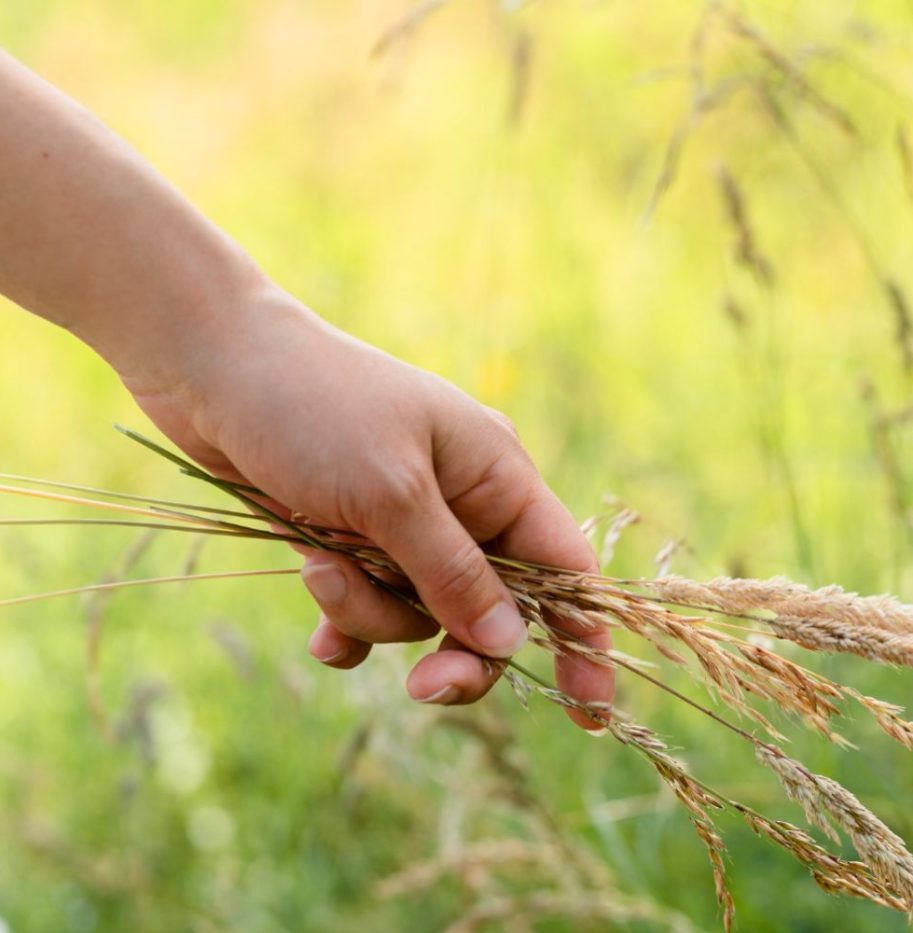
x=451, y=574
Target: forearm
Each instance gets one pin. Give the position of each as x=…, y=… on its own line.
x=93, y=239
x=256, y=388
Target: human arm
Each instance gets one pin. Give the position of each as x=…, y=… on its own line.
x=255, y=386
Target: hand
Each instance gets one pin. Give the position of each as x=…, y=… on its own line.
x=257, y=388
x=345, y=434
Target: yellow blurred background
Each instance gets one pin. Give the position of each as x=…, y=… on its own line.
x=671, y=240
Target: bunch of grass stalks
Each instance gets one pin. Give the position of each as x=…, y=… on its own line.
x=710, y=630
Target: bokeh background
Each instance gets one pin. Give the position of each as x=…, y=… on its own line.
x=672, y=240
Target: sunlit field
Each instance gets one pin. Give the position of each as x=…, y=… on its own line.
x=674, y=243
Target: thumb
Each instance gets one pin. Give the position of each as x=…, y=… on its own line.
x=452, y=575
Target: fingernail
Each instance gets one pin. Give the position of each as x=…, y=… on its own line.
x=333, y=658
x=326, y=583
x=445, y=696
x=500, y=632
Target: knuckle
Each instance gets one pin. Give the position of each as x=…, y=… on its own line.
x=409, y=484
x=354, y=620
x=463, y=576
x=505, y=423
x=507, y=480
x=396, y=490
x=511, y=427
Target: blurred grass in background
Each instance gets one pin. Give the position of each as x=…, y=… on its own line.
x=675, y=251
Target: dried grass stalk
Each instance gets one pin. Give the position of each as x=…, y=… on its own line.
x=706, y=629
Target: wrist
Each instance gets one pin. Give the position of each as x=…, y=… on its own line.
x=179, y=321
x=200, y=349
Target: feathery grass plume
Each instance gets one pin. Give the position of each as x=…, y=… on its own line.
x=787, y=67
x=822, y=798
x=624, y=518
x=796, y=609
x=666, y=554
x=707, y=629
x=883, y=881
x=521, y=56
x=747, y=251
x=707, y=95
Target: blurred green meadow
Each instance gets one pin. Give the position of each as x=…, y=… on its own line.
x=673, y=244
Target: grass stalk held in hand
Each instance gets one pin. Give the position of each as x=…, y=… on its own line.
x=706, y=629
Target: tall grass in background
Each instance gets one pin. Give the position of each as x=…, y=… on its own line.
x=671, y=241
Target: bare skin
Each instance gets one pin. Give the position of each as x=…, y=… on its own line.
x=255, y=386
